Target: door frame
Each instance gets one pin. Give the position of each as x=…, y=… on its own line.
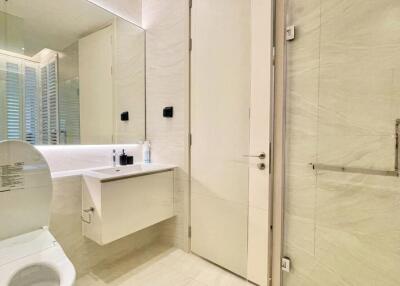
x=279, y=150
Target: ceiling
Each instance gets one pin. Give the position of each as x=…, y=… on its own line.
x=52, y=24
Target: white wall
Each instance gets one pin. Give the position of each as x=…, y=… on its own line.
x=128, y=9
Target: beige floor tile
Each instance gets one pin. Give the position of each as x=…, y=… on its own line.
x=159, y=265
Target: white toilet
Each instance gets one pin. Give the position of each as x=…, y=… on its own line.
x=29, y=254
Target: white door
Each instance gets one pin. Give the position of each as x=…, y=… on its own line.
x=230, y=112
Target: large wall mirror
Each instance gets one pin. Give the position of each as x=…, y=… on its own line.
x=70, y=73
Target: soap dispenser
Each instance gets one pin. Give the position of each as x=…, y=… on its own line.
x=123, y=158
x=146, y=152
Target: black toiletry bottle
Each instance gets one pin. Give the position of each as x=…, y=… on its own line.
x=123, y=158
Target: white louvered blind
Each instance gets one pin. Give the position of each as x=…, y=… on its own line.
x=31, y=105
x=49, y=104
x=19, y=96
x=44, y=114
x=13, y=92
x=29, y=101
x=53, y=101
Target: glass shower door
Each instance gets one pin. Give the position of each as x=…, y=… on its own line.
x=342, y=197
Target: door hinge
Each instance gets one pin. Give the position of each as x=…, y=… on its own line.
x=190, y=4
x=190, y=44
x=190, y=139
x=190, y=232
x=285, y=264
x=290, y=33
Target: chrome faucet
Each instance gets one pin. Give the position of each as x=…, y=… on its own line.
x=114, y=158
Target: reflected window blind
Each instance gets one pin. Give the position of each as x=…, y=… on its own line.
x=44, y=108
x=31, y=105
x=29, y=110
x=49, y=104
x=13, y=101
x=53, y=103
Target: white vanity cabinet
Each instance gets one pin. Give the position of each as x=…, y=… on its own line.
x=116, y=207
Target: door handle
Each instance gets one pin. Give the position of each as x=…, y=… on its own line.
x=260, y=156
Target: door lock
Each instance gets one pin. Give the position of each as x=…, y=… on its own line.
x=261, y=166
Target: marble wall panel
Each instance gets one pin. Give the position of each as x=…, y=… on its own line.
x=167, y=84
x=301, y=139
x=342, y=229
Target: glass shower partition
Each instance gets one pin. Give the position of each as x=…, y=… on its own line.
x=342, y=196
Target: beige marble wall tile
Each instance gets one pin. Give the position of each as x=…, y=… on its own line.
x=167, y=84
x=301, y=140
x=374, y=152
x=353, y=221
x=340, y=229
x=300, y=191
x=359, y=60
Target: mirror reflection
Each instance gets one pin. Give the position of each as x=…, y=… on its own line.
x=70, y=73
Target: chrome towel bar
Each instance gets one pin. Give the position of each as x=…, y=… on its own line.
x=354, y=170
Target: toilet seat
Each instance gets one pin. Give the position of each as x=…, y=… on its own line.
x=25, y=189
x=34, y=248
x=29, y=254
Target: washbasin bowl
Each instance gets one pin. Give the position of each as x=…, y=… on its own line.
x=123, y=170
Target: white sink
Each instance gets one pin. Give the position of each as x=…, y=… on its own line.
x=114, y=173
x=123, y=170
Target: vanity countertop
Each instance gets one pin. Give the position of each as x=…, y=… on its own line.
x=110, y=173
x=119, y=172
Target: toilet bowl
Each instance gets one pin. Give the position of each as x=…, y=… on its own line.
x=29, y=254
x=34, y=259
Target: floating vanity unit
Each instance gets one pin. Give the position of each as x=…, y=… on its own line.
x=119, y=201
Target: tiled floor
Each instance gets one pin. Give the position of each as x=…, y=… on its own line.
x=160, y=266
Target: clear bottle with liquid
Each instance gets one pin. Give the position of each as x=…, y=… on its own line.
x=146, y=152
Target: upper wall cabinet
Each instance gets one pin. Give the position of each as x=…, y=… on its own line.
x=70, y=73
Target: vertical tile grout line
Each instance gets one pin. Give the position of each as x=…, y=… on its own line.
x=317, y=128
x=190, y=139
